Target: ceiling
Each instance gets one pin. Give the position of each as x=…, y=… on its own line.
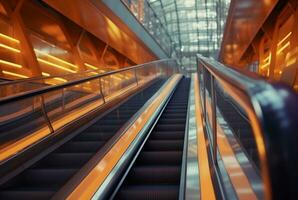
x=195, y=26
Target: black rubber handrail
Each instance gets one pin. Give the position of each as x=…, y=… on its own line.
x=51, y=88
x=273, y=112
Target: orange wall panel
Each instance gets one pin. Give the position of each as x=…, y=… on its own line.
x=244, y=21
x=85, y=14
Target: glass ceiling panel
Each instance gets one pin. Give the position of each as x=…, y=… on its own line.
x=183, y=28
x=195, y=26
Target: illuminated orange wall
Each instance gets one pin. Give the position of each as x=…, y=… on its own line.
x=244, y=21
x=36, y=40
x=263, y=34
x=114, y=33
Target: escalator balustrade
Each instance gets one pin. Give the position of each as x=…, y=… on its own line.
x=239, y=124
x=43, y=179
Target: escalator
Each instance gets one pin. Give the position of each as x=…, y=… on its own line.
x=43, y=179
x=157, y=170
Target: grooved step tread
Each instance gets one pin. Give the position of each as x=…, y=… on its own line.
x=26, y=194
x=170, y=127
x=93, y=136
x=164, y=145
x=46, y=177
x=81, y=147
x=64, y=160
x=167, y=135
x=153, y=192
x=160, y=157
x=151, y=175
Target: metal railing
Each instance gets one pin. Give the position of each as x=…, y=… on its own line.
x=272, y=110
x=43, y=78
x=47, y=109
x=9, y=88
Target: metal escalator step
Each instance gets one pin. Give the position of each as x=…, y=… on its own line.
x=102, y=128
x=64, y=160
x=151, y=175
x=110, y=122
x=170, y=127
x=160, y=157
x=81, y=147
x=48, y=178
x=164, y=145
x=174, y=116
x=176, y=103
x=249, y=143
x=177, y=107
x=93, y=136
x=26, y=195
x=245, y=133
x=127, y=114
x=120, y=117
x=240, y=124
x=149, y=192
x=126, y=109
x=171, y=121
x=173, y=106
x=132, y=104
x=175, y=110
x=167, y=135
x=174, y=113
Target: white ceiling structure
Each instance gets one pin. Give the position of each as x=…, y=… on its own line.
x=184, y=28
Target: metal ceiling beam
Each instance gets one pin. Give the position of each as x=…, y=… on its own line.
x=164, y=13
x=178, y=25
x=183, y=28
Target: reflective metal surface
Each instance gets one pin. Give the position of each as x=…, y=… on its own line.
x=192, y=182
x=205, y=171
x=272, y=113
x=238, y=178
x=247, y=166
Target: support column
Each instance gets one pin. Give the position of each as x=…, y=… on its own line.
x=26, y=46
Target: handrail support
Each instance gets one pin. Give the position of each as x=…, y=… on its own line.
x=204, y=95
x=214, y=119
x=45, y=114
x=136, y=77
x=101, y=92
